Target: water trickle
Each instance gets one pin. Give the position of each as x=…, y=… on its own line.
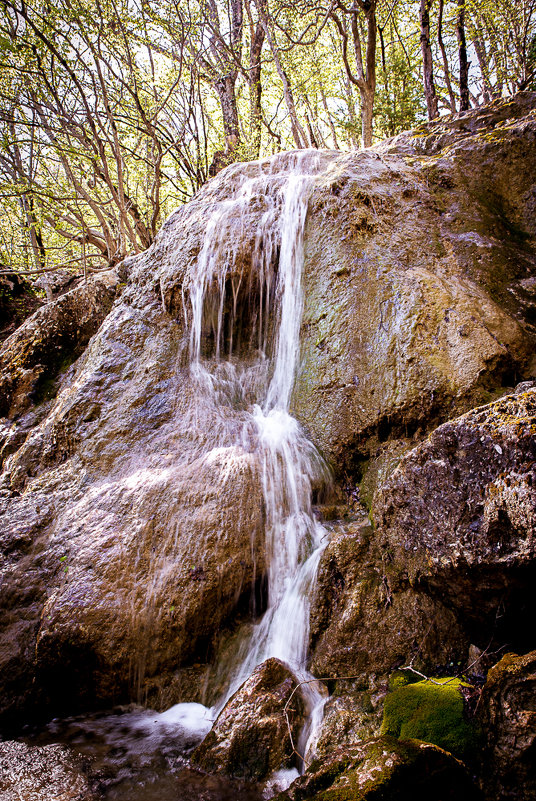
x=259, y=383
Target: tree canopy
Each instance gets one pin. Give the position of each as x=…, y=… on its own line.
x=112, y=112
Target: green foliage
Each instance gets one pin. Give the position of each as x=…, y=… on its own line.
x=432, y=712
x=399, y=97
x=111, y=113
x=401, y=678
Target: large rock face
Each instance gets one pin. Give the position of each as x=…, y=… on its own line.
x=132, y=519
x=419, y=285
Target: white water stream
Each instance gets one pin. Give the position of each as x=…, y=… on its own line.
x=260, y=386
x=242, y=298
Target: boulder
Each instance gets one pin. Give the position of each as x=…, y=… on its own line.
x=251, y=738
x=52, y=338
x=384, y=768
x=433, y=711
x=154, y=558
x=352, y=714
x=456, y=519
x=129, y=505
x=361, y=626
x=507, y=713
x=418, y=280
x=42, y=773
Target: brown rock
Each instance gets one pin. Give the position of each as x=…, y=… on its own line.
x=52, y=337
x=18, y=300
x=508, y=718
x=384, y=768
x=450, y=566
x=456, y=519
x=250, y=738
x=360, y=626
x=419, y=280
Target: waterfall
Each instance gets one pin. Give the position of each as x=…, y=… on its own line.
x=244, y=369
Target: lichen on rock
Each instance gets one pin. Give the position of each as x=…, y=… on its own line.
x=384, y=768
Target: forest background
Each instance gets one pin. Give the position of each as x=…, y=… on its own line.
x=113, y=112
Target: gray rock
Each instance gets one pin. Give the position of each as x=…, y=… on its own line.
x=42, y=773
x=384, y=768
x=507, y=712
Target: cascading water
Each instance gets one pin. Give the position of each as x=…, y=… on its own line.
x=242, y=304
x=260, y=388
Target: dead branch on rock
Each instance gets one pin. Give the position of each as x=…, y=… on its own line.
x=289, y=699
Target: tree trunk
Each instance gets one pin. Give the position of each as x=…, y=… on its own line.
x=487, y=89
x=462, y=51
x=367, y=96
x=367, y=112
x=446, y=70
x=225, y=87
x=366, y=72
x=298, y=134
x=427, y=61
x=365, y=79
x=255, y=89
x=34, y=231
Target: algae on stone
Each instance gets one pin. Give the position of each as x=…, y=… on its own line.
x=432, y=711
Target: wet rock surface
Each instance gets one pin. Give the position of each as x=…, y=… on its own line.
x=131, y=526
x=384, y=768
x=42, y=773
x=251, y=737
x=419, y=280
x=456, y=518
x=507, y=713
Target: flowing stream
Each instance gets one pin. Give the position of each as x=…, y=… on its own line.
x=289, y=464
x=242, y=306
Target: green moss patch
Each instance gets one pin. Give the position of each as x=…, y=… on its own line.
x=431, y=711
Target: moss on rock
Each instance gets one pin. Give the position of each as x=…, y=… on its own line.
x=432, y=711
x=384, y=769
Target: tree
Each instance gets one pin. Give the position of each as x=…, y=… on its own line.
x=89, y=138
x=462, y=53
x=363, y=30
x=427, y=60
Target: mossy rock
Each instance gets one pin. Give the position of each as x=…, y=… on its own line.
x=384, y=769
x=432, y=711
x=401, y=678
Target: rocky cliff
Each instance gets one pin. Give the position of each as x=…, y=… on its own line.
x=130, y=557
